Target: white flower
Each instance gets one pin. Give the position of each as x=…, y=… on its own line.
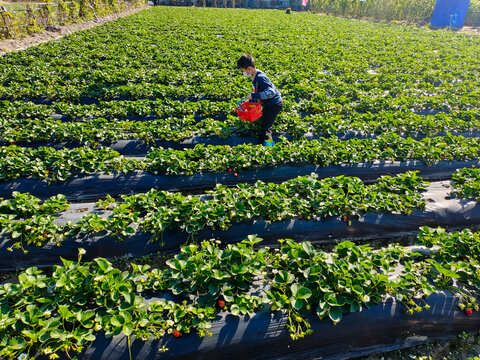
x=201, y=316
x=162, y=332
x=210, y=223
x=47, y=313
x=82, y=251
x=399, y=297
x=169, y=330
x=47, y=351
x=22, y=356
x=284, y=257
x=98, y=327
x=366, y=298
x=170, y=323
x=218, y=241
x=274, y=271
x=156, y=283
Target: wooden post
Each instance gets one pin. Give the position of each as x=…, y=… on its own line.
x=93, y=10
x=6, y=17
x=81, y=10
x=59, y=12
x=46, y=14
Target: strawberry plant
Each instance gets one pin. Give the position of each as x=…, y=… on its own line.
x=466, y=183
x=65, y=309
x=156, y=211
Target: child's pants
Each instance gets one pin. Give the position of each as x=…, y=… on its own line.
x=269, y=116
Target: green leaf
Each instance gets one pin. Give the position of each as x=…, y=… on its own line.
x=300, y=292
x=213, y=289
x=17, y=343
x=65, y=312
x=89, y=337
x=335, y=314
x=284, y=277
x=235, y=310
x=128, y=329
x=298, y=303
x=354, y=307
x=103, y=264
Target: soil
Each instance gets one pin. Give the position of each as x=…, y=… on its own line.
x=470, y=30
x=56, y=32
x=463, y=347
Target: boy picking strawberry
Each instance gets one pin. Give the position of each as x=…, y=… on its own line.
x=266, y=94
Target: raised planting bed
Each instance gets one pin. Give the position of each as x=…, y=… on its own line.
x=248, y=301
x=151, y=222
x=134, y=136
x=80, y=173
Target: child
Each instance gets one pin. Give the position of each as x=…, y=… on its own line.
x=266, y=94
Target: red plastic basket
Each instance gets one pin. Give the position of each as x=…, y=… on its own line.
x=249, y=111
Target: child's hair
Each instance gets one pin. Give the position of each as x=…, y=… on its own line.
x=245, y=61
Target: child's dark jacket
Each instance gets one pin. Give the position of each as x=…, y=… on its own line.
x=265, y=91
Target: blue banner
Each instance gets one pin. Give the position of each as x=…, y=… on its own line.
x=450, y=13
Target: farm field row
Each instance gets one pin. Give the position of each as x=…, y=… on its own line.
x=37, y=232
x=28, y=221
x=58, y=165
x=91, y=131
x=67, y=309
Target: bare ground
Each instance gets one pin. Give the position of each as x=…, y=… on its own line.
x=59, y=31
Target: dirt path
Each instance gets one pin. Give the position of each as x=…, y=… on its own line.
x=59, y=31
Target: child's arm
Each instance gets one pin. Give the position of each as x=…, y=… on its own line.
x=266, y=89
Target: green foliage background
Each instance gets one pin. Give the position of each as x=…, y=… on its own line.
x=390, y=10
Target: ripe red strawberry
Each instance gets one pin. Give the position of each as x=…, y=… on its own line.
x=177, y=333
x=443, y=157
x=235, y=174
x=46, y=235
x=229, y=170
x=299, y=217
x=344, y=218
x=131, y=210
x=13, y=142
x=221, y=303
x=468, y=312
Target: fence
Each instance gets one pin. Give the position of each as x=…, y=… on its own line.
x=21, y=18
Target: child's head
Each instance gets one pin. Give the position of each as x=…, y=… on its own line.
x=246, y=64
